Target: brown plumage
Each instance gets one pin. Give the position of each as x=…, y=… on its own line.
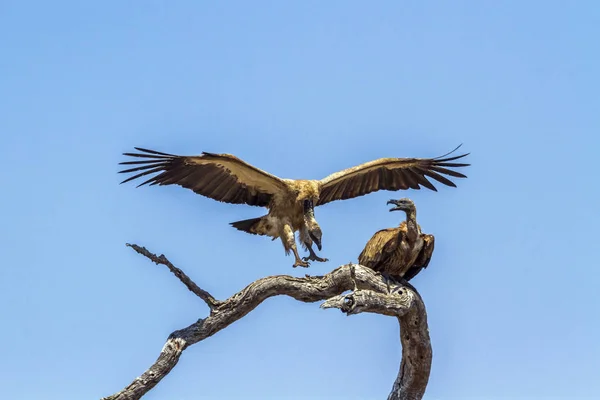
x=400, y=252
x=226, y=178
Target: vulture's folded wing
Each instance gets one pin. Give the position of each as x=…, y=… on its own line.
x=389, y=174
x=379, y=248
x=423, y=258
x=221, y=177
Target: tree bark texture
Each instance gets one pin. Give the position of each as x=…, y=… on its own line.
x=369, y=293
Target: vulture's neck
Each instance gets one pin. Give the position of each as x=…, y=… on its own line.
x=411, y=225
x=309, y=216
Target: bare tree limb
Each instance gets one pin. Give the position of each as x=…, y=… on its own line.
x=203, y=294
x=370, y=294
x=369, y=301
x=405, y=304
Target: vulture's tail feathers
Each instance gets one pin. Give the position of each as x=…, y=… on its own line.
x=249, y=226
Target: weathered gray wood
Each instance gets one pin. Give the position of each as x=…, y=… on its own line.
x=370, y=294
x=406, y=304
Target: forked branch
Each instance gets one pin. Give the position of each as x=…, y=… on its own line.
x=370, y=294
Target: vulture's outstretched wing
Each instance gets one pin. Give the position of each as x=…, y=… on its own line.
x=389, y=174
x=221, y=177
x=423, y=258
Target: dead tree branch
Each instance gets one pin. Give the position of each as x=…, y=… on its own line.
x=370, y=294
x=405, y=304
x=203, y=294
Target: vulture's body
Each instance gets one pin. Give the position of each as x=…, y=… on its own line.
x=400, y=252
x=226, y=178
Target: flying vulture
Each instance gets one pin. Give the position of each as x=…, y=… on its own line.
x=226, y=178
x=401, y=252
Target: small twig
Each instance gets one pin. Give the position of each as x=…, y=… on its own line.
x=191, y=285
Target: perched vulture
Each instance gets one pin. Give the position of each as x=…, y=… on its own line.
x=399, y=252
x=226, y=178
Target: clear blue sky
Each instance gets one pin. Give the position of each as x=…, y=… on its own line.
x=301, y=89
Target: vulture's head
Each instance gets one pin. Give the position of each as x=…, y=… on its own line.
x=316, y=234
x=405, y=205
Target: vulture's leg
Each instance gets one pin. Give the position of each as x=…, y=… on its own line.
x=308, y=242
x=313, y=256
x=289, y=243
x=299, y=262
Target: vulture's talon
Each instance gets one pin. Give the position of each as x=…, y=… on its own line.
x=299, y=263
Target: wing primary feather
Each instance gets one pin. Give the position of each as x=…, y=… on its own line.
x=142, y=174
x=162, y=165
x=439, y=178
x=410, y=178
x=153, y=180
x=154, y=152
x=140, y=162
x=450, y=158
x=421, y=179
x=155, y=157
x=447, y=171
x=442, y=164
x=450, y=152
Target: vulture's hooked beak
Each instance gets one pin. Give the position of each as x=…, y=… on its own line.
x=400, y=206
x=316, y=240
